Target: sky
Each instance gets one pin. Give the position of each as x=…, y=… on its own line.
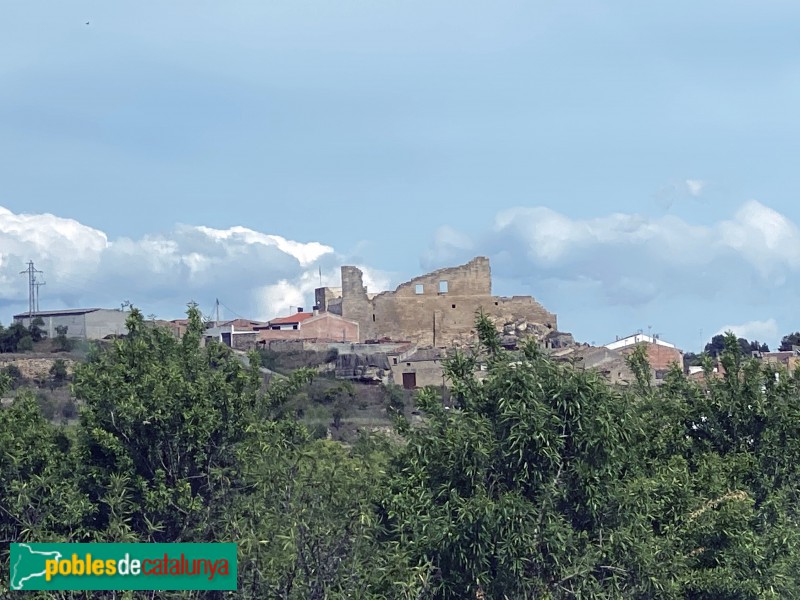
x=631, y=165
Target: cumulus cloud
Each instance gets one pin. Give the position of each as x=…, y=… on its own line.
x=634, y=259
x=256, y=274
x=695, y=186
x=754, y=330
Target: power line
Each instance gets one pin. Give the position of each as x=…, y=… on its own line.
x=38, y=284
x=231, y=311
x=32, y=289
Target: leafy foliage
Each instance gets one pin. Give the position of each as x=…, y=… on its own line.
x=789, y=340
x=717, y=345
x=541, y=481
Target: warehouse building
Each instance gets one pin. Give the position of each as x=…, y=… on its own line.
x=81, y=323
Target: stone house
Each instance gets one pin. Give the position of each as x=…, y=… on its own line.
x=609, y=363
x=419, y=369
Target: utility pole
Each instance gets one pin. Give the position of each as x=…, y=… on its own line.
x=216, y=323
x=37, y=284
x=31, y=271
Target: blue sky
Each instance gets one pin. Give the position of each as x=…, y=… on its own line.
x=629, y=164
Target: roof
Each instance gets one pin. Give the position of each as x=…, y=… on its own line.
x=638, y=338
x=424, y=354
x=241, y=323
x=55, y=313
x=291, y=319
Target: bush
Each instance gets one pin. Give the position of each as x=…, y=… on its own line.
x=319, y=432
x=58, y=373
x=25, y=344
x=15, y=376
x=62, y=342
x=48, y=405
x=36, y=329
x=395, y=398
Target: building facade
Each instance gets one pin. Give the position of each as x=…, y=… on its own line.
x=81, y=323
x=306, y=326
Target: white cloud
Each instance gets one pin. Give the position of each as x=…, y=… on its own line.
x=448, y=245
x=635, y=259
x=754, y=330
x=695, y=186
x=257, y=274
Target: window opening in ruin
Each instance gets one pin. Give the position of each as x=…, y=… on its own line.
x=419, y=289
x=454, y=305
x=496, y=303
x=395, y=360
x=373, y=317
x=442, y=287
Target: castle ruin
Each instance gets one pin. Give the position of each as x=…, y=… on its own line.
x=437, y=309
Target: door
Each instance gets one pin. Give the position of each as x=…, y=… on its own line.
x=409, y=381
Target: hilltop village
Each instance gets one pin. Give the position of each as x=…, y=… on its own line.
x=400, y=336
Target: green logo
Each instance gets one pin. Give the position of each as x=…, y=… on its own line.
x=123, y=567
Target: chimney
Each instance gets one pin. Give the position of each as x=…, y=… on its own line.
x=299, y=309
x=315, y=309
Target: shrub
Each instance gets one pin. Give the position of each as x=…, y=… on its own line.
x=319, y=432
x=15, y=376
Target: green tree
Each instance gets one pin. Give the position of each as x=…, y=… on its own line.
x=58, y=373
x=789, y=340
x=717, y=345
x=36, y=329
x=508, y=495
x=62, y=342
x=39, y=499
x=11, y=337
x=15, y=376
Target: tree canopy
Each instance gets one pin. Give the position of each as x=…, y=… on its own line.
x=789, y=340
x=717, y=345
x=539, y=481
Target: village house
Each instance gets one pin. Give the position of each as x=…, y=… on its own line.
x=611, y=364
x=788, y=358
x=421, y=368
x=316, y=325
x=660, y=354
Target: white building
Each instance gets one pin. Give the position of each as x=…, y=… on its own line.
x=638, y=338
x=81, y=323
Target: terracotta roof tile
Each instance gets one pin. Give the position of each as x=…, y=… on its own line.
x=295, y=318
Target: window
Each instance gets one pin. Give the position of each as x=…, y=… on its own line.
x=495, y=303
x=395, y=360
x=419, y=288
x=373, y=317
x=453, y=305
x=294, y=326
x=442, y=287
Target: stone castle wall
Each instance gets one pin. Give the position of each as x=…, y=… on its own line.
x=436, y=309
